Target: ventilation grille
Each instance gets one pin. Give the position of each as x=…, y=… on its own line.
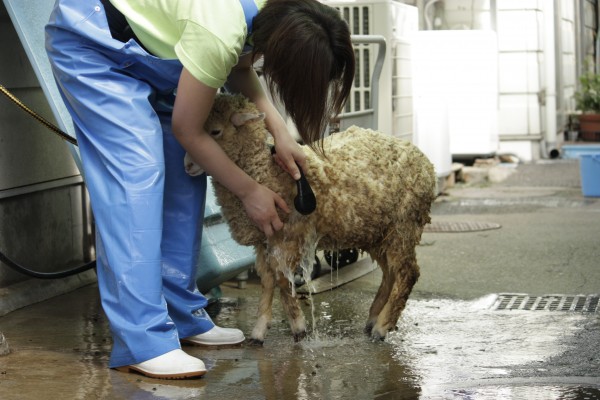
x=468, y=226
x=557, y=302
x=359, y=19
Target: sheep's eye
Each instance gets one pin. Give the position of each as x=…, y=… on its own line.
x=215, y=132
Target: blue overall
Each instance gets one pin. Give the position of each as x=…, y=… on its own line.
x=148, y=211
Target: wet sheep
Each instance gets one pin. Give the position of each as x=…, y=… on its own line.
x=374, y=193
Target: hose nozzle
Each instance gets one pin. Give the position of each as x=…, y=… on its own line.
x=305, y=201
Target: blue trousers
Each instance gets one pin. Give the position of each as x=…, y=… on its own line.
x=148, y=211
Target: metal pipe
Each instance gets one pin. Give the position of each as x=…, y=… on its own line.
x=597, y=66
x=429, y=22
x=580, y=39
x=522, y=137
x=41, y=187
x=561, y=118
x=380, y=41
x=550, y=77
x=494, y=15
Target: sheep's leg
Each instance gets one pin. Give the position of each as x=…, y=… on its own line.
x=292, y=308
x=296, y=250
x=383, y=293
x=292, y=253
x=404, y=275
x=265, y=305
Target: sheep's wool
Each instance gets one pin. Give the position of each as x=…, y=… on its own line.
x=366, y=184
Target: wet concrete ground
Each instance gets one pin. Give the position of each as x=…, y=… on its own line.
x=450, y=343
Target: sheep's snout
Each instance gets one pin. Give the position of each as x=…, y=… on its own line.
x=191, y=168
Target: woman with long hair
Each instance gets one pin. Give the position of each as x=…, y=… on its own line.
x=139, y=78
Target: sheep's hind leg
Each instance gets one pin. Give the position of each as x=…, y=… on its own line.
x=265, y=305
x=382, y=295
x=403, y=280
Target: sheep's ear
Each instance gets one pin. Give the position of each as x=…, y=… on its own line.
x=239, y=119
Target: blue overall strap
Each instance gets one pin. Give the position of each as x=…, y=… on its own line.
x=250, y=11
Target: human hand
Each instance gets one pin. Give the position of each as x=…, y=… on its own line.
x=261, y=206
x=289, y=155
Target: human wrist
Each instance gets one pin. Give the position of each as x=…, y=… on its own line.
x=244, y=189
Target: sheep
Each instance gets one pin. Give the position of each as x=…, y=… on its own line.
x=374, y=193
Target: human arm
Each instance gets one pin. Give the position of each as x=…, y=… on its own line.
x=192, y=106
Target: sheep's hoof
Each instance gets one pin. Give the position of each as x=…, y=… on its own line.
x=299, y=336
x=377, y=337
x=255, y=342
x=369, y=327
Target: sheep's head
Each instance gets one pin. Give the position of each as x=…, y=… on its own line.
x=228, y=114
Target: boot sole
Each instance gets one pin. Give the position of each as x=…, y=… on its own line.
x=183, y=375
x=212, y=346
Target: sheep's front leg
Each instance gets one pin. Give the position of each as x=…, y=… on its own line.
x=265, y=305
x=292, y=308
x=286, y=257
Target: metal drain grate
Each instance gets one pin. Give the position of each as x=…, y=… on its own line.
x=555, y=302
x=473, y=226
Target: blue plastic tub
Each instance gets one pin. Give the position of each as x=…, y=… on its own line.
x=590, y=174
x=573, y=151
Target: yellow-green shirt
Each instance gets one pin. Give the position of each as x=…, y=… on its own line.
x=207, y=36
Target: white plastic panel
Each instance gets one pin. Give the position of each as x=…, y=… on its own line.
x=459, y=68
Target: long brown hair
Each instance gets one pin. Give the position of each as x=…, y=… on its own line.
x=308, y=61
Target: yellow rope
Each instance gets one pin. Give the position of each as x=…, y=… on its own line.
x=39, y=118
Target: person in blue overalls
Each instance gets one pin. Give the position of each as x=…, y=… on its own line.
x=139, y=78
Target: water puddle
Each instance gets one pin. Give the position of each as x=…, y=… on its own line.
x=443, y=349
x=449, y=345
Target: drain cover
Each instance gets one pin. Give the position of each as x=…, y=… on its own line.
x=553, y=302
x=441, y=226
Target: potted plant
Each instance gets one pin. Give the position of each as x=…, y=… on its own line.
x=587, y=100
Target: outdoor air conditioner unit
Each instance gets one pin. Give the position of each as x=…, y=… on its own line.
x=396, y=22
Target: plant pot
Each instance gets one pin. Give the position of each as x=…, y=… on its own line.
x=589, y=127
